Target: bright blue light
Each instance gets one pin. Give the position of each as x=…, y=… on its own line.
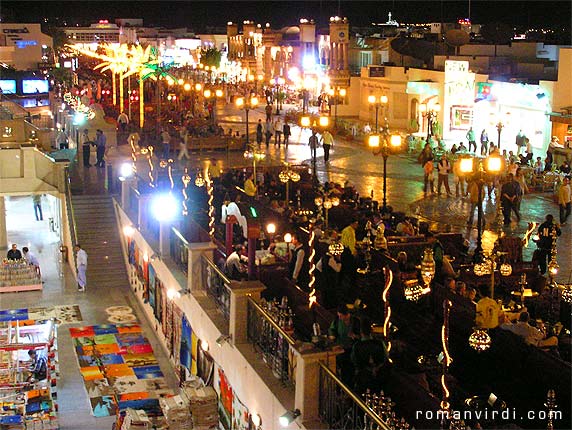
x=164, y=207
x=79, y=118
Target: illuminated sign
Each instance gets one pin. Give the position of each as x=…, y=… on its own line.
x=484, y=91
x=23, y=43
x=8, y=86
x=31, y=86
x=22, y=30
x=376, y=71
x=459, y=82
x=427, y=88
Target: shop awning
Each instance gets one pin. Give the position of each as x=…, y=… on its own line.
x=563, y=118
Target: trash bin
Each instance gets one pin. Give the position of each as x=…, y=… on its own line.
x=64, y=251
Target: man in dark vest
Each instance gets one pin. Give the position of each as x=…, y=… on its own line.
x=299, y=264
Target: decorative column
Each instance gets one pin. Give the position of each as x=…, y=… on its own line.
x=195, y=273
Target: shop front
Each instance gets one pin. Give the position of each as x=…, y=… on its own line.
x=505, y=109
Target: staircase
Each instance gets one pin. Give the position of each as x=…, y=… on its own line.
x=97, y=233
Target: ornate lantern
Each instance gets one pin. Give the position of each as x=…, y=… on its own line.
x=505, y=269
x=413, y=291
x=567, y=293
x=336, y=248
x=480, y=340
x=427, y=266
x=199, y=180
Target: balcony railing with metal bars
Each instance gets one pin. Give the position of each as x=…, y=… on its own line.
x=275, y=344
x=179, y=249
x=217, y=286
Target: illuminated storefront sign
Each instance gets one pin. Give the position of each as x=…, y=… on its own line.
x=459, y=95
x=426, y=88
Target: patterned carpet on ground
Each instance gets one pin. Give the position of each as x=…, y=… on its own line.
x=64, y=314
x=119, y=369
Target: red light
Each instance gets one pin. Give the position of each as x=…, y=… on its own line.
x=174, y=97
x=136, y=97
x=103, y=21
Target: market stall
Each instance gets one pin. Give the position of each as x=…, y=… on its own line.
x=18, y=275
x=27, y=401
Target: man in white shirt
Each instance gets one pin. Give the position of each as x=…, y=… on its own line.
x=122, y=121
x=62, y=140
x=278, y=126
x=31, y=259
x=81, y=264
x=235, y=266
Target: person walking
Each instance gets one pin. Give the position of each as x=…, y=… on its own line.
x=443, y=168
x=510, y=193
x=86, y=143
x=81, y=265
x=268, y=110
x=428, y=177
x=183, y=142
x=286, y=132
x=471, y=139
x=545, y=241
x=327, y=142
x=166, y=141
x=259, y=131
x=473, y=191
x=37, y=199
x=100, y=142
x=564, y=200
x=313, y=142
x=484, y=142
x=278, y=126
x=122, y=122
x=267, y=132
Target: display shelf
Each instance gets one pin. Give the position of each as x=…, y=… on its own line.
x=18, y=275
x=25, y=403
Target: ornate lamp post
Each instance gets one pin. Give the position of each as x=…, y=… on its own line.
x=384, y=144
x=377, y=102
x=431, y=115
x=336, y=93
x=256, y=155
x=247, y=103
x=279, y=83
x=478, y=169
x=285, y=177
x=327, y=202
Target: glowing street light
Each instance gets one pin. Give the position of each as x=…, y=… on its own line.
x=378, y=102
x=384, y=144
x=247, y=103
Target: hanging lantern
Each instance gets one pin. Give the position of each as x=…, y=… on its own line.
x=199, y=180
x=327, y=203
x=480, y=340
x=284, y=176
x=335, y=201
x=567, y=293
x=505, y=269
x=163, y=164
x=413, y=291
x=427, y=266
x=294, y=176
x=480, y=269
x=186, y=178
x=553, y=267
x=143, y=151
x=336, y=248
x=318, y=201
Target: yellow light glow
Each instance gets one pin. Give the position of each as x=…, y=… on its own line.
x=219, y=93
x=395, y=141
x=466, y=165
x=207, y=94
x=251, y=78
x=287, y=238
x=260, y=77
x=371, y=99
x=494, y=164
x=331, y=92
x=373, y=141
x=271, y=228
x=198, y=87
x=254, y=101
x=239, y=102
x=187, y=87
x=383, y=99
x=343, y=92
x=324, y=121
x=305, y=121
x=128, y=230
x=422, y=108
x=437, y=108
x=180, y=82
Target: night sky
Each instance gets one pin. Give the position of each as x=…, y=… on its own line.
x=198, y=14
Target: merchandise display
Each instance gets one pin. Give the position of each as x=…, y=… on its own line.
x=18, y=275
x=27, y=385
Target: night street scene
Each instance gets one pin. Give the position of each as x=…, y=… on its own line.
x=266, y=215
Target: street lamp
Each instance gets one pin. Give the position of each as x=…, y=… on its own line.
x=500, y=125
x=431, y=115
x=326, y=201
x=279, y=82
x=285, y=177
x=384, y=144
x=247, y=103
x=479, y=168
x=378, y=102
x=336, y=93
x=255, y=154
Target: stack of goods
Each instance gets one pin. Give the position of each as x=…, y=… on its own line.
x=176, y=411
x=203, y=403
x=18, y=272
x=135, y=420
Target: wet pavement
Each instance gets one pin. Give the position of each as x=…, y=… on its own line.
x=353, y=161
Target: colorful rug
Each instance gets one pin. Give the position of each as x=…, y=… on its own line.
x=119, y=369
x=64, y=314
x=120, y=315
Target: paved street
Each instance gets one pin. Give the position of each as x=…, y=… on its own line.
x=354, y=162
